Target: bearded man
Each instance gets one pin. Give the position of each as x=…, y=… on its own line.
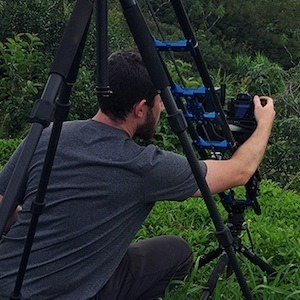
x=102, y=187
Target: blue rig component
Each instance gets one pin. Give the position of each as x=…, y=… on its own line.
x=176, y=46
x=195, y=111
x=199, y=93
x=211, y=144
x=194, y=97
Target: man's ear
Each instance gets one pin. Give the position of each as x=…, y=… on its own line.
x=140, y=108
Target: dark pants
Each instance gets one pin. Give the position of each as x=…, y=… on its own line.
x=147, y=268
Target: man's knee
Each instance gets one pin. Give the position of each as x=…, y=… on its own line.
x=163, y=252
x=184, y=253
x=181, y=247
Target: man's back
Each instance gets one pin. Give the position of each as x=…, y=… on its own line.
x=85, y=226
x=98, y=196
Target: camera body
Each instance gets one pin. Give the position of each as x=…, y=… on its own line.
x=241, y=110
x=240, y=116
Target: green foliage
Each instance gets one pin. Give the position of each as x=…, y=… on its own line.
x=203, y=14
x=165, y=138
x=7, y=148
x=222, y=29
x=119, y=37
x=22, y=72
x=227, y=28
x=259, y=75
x=282, y=162
x=270, y=27
x=274, y=234
x=83, y=97
x=118, y=31
x=190, y=77
x=47, y=18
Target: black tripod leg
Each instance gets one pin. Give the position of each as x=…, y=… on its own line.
x=213, y=279
x=65, y=66
x=258, y=261
x=210, y=256
x=229, y=271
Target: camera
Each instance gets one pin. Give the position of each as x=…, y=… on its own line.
x=240, y=116
x=241, y=109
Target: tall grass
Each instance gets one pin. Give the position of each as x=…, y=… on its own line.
x=275, y=235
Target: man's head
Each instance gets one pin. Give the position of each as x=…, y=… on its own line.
x=129, y=82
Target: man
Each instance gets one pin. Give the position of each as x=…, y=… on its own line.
x=102, y=187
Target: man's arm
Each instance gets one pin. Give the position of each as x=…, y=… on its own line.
x=225, y=174
x=13, y=218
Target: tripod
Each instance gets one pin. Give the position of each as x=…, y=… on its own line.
x=55, y=101
x=237, y=224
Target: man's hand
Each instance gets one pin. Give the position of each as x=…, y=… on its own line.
x=12, y=220
x=264, y=114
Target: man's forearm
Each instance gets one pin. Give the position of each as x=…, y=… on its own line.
x=224, y=174
x=251, y=153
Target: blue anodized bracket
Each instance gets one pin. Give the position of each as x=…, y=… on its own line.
x=176, y=46
x=195, y=111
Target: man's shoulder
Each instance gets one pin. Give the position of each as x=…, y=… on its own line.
x=152, y=155
x=68, y=125
x=76, y=123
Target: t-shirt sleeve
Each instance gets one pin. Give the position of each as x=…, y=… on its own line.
x=8, y=168
x=168, y=176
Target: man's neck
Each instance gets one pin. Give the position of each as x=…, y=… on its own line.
x=126, y=126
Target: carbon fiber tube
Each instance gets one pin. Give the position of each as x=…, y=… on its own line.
x=141, y=33
x=39, y=202
x=259, y=262
x=213, y=279
x=102, y=45
x=69, y=48
x=210, y=256
x=144, y=41
x=14, y=193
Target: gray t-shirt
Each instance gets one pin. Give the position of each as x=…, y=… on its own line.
x=102, y=187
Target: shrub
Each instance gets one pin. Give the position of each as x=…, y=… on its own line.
x=7, y=148
x=83, y=97
x=260, y=75
x=119, y=37
x=118, y=32
x=282, y=162
x=46, y=18
x=22, y=73
x=23, y=77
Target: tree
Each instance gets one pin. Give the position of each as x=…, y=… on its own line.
x=47, y=18
x=269, y=26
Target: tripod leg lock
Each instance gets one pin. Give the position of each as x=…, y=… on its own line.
x=42, y=112
x=13, y=296
x=37, y=207
x=224, y=237
x=177, y=122
x=62, y=111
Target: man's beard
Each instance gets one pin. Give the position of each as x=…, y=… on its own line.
x=147, y=130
